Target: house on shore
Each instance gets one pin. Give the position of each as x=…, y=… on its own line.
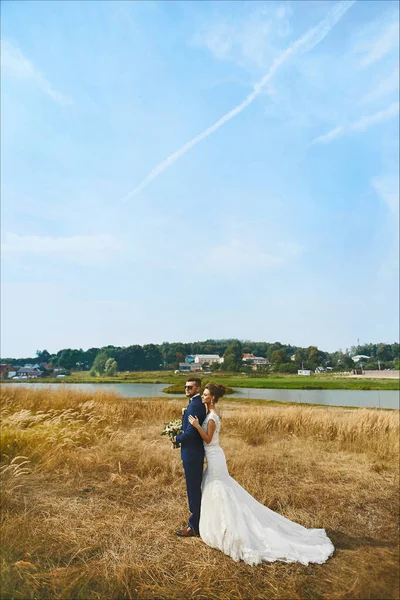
x=7, y=371
x=190, y=367
x=29, y=372
x=199, y=362
x=256, y=362
x=360, y=358
x=209, y=359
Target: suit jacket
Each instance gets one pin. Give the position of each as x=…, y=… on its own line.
x=192, y=447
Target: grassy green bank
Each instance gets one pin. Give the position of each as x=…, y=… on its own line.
x=300, y=383
x=274, y=381
x=176, y=388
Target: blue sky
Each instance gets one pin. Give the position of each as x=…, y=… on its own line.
x=128, y=218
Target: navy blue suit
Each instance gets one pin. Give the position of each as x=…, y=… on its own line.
x=192, y=455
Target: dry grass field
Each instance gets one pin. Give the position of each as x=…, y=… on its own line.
x=92, y=496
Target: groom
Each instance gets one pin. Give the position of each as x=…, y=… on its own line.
x=192, y=455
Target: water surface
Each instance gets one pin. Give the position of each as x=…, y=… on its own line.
x=358, y=398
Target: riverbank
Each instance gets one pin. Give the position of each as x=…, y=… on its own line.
x=91, y=505
x=315, y=382
x=350, y=398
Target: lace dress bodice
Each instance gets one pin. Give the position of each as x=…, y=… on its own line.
x=215, y=456
x=215, y=440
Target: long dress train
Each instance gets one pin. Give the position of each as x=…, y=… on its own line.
x=232, y=521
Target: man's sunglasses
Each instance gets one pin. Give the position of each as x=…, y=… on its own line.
x=188, y=387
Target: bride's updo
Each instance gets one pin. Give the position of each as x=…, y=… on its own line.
x=216, y=390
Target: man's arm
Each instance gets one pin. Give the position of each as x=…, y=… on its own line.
x=202, y=413
x=190, y=432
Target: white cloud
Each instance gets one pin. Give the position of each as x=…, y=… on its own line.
x=361, y=124
x=252, y=41
x=218, y=38
x=376, y=49
x=310, y=39
x=386, y=86
x=242, y=255
x=387, y=188
x=383, y=115
x=78, y=249
x=248, y=247
x=15, y=64
x=328, y=137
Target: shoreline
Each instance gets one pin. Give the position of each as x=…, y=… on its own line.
x=173, y=382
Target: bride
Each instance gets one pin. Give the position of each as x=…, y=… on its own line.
x=232, y=521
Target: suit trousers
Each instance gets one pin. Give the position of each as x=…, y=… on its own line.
x=194, y=475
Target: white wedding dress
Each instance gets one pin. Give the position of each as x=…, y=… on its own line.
x=232, y=521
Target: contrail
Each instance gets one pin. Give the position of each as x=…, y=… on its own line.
x=362, y=124
x=309, y=40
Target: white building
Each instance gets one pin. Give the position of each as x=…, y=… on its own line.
x=306, y=372
x=254, y=360
x=260, y=360
x=359, y=357
x=190, y=367
x=206, y=358
x=29, y=372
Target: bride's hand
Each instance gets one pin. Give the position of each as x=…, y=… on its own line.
x=194, y=422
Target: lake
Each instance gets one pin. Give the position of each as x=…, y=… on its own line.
x=358, y=398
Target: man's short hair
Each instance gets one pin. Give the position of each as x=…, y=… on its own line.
x=195, y=380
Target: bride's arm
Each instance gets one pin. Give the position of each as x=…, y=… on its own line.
x=207, y=436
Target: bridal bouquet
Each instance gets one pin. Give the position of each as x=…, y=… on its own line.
x=172, y=429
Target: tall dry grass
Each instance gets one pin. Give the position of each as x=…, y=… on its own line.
x=364, y=430
x=92, y=496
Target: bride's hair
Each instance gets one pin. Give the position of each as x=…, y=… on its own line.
x=215, y=390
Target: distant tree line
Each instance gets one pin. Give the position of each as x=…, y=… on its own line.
x=283, y=358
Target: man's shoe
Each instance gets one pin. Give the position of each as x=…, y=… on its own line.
x=187, y=532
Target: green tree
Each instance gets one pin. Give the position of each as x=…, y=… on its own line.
x=99, y=363
x=110, y=367
x=371, y=364
x=315, y=357
x=301, y=356
x=153, y=357
x=233, y=357
x=271, y=349
x=247, y=368
x=43, y=356
x=131, y=358
x=345, y=362
x=89, y=356
x=278, y=357
x=175, y=352
x=69, y=358
x=384, y=352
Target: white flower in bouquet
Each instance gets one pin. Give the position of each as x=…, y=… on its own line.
x=172, y=429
